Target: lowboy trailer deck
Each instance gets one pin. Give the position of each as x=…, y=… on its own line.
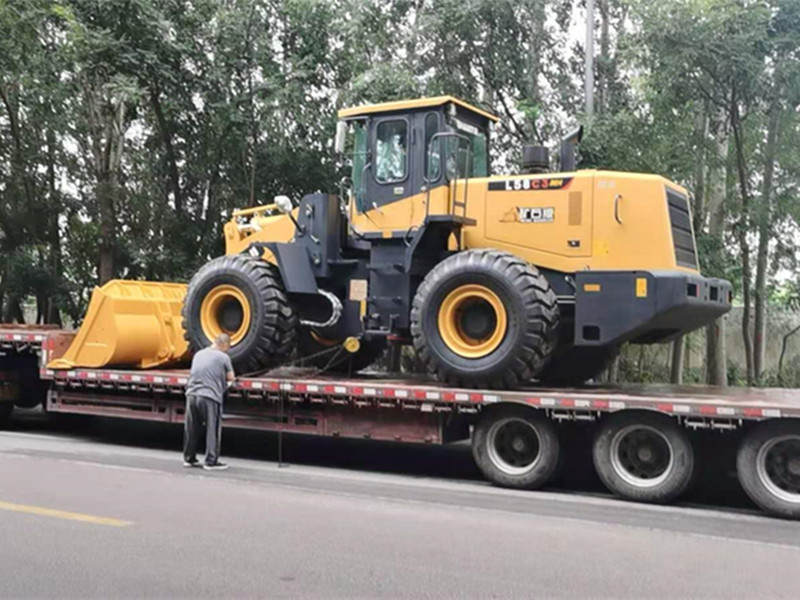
x=642, y=448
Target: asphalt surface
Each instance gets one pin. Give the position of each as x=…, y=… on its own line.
x=104, y=509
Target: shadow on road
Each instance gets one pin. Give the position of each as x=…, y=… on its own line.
x=715, y=482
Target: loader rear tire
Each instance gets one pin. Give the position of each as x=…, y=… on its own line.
x=577, y=364
x=243, y=297
x=331, y=357
x=484, y=318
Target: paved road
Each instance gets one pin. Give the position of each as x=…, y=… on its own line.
x=108, y=511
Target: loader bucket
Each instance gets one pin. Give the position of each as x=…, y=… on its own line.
x=129, y=323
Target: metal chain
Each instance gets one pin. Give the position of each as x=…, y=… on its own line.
x=300, y=361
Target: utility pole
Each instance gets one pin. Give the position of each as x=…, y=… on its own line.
x=589, y=58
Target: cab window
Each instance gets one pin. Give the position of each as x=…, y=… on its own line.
x=391, y=151
x=359, y=160
x=469, y=148
x=433, y=159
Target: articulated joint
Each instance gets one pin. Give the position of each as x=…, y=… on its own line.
x=336, y=311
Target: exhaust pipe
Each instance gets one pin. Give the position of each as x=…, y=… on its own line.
x=568, y=144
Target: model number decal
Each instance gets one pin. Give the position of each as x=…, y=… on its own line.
x=524, y=185
x=530, y=214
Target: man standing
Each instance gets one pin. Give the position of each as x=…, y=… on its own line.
x=211, y=372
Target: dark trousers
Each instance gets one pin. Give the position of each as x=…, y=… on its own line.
x=200, y=411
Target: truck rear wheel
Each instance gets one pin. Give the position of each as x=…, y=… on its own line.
x=330, y=356
x=516, y=447
x=243, y=297
x=577, y=364
x=643, y=456
x=768, y=466
x=484, y=318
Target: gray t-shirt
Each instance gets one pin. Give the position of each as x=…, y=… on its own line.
x=208, y=377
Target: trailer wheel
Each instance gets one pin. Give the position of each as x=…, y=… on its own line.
x=6, y=408
x=577, y=364
x=643, y=456
x=309, y=344
x=484, y=318
x=243, y=297
x=768, y=466
x=516, y=447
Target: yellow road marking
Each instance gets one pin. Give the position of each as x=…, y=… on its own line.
x=62, y=514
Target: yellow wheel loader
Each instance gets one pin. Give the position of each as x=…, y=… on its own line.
x=495, y=280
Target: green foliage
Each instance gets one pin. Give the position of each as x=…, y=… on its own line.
x=209, y=106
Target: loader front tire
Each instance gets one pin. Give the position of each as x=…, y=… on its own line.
x=484, y=318
x=243, y=297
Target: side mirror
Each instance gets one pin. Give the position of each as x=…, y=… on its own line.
x=341, y=135
x=284, y=204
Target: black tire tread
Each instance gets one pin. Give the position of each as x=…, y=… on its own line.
x=541, y=310
x=6, y=409
x=550, y=448
x=669, y=489
x=276, y=333
x=746, y=466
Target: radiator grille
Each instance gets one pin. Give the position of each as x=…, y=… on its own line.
x=681, y=221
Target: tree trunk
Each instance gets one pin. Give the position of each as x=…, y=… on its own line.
x=701, y=134
x=52, y=312
x=764, y=217
x=169, y=149
x=14, y=313
x=612, y=372
x=676, y=364
x=106, y=115
x=742, y=229
x=716, y=360
x=783, y=352
x=105, y=200
x=603, y=67
x=716, y=355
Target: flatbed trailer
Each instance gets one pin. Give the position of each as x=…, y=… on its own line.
x=641, y=444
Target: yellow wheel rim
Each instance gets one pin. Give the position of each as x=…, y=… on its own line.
x=472, y=321
x=225, y=309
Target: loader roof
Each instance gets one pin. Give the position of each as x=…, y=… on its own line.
x=359, y=111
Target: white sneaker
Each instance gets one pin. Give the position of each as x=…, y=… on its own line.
x=217, y=466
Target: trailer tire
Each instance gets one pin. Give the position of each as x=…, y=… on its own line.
x=337, y=361
x=575, y=365
x=484, y=318
x=6, y=408
x=516, y=447
x=768, y=466
x=244, y=297
x=643, y=456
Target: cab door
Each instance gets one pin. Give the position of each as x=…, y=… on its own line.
x=387, y=179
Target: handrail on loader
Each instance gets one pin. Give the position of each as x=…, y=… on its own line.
x=130, y=323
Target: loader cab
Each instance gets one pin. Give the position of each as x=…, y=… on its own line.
x=410, y=151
